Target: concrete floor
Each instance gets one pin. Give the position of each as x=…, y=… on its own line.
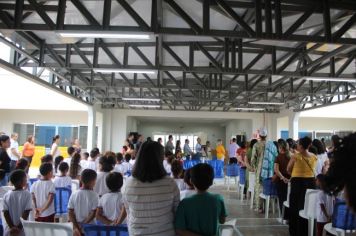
x=249, y=222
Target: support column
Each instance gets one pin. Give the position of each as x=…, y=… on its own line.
x=91, y=128
x=293, y=123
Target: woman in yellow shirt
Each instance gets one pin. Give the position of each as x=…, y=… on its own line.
x=302, y=168
x=220, y=151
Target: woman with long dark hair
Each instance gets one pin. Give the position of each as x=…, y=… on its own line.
x=55, y=152
x=75, y=169
x=321, y=155
x=4, y=158
x=150, y=196
x=302, y=169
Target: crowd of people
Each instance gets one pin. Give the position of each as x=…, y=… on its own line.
x=146, y=187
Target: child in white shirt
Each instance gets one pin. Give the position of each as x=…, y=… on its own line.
x=120, y=167
x=189, y=191
x=167, y=162
x=43, y=194
x=177, y=172
x=83, y=203
x=106, y=165
x=17, y=204
x=111, y=210
x=71, y=151
x=62, y=180
x=84, y=160
x=127, y=162
x=92, y=164
x=325, y=205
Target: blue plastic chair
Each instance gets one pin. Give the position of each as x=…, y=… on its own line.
x=218, y=167
x=61, y=200
x=104, y=230
x=242, y=182
x=343, y=218
x=269, y=191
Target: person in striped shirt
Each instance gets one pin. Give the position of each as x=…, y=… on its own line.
x=150, y=196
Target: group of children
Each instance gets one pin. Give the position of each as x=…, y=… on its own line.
x=99, y=197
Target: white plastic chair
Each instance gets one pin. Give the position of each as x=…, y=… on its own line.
x=251, y=186
x=286, y=203
x=75, y=185
x=229, y=229
x=228, y=178
x=53, y=229
x=309, y=212
x=328, y=228
x=2, y=213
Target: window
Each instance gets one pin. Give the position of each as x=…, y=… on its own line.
x=24, y=130
x=182, y=137
x=44, y=135
x=68, y=134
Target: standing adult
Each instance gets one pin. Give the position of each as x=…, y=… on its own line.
x=160, y=141
x=169, y=145
x=77, y=146
x=139, y=142
x=198, y=149
x=233, y=147
x=150, y=196
x=187, y=150
x=301, y=167
x=29, y=149
x=14, y=151
x=258, y=151
x=55, y=152
x=208, y=150
x=220, y=150
x=178, y=150
x=4, y=158
x=280, y=168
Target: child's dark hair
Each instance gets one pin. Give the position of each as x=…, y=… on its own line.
x=187, y=177
x=17, y=177
x=47, y=158
x=321, y=179
x=57, y=161
x=70, y=150
x=74, y=166
x=305, y=142
x=177, y=169
x=86, y=155
x=21, y=164
x=127, y=157
x=119, y=157
x=46, y=168
x=63, y=167
x=88, y=175
x=94, y=152
x=202, y=176
x=107, y=162
x=114, y=181
x=313, y=150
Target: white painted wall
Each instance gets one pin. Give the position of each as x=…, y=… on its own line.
x=238, y=127
x=211, y=132
x=117, y=121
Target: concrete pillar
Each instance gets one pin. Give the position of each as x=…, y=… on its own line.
x=91, y=127
x=293, y=123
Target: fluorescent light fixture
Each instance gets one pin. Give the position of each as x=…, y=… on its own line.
x=330, y=79
x=103, y=34
x=250, y=108
x=144, y=106
x=142, y=99
x=129, y=71
x=266, y=103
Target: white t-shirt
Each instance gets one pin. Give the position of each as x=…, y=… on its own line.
x=91, y=164
x=127, y=166
x=151, y=206
x=328, y=201
x=68, y=160
x=41, y=189
x=16, y=202
x=57, y=153
x=83, y=163
x=62, y=182
x=180, y=183
x=321, y=160
x=100, y=186
x=14, y=145
x=83, y=202
x=122, y=169
x=111, y=204
x=187, y=193
x=167, y=167
x=132, y=162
